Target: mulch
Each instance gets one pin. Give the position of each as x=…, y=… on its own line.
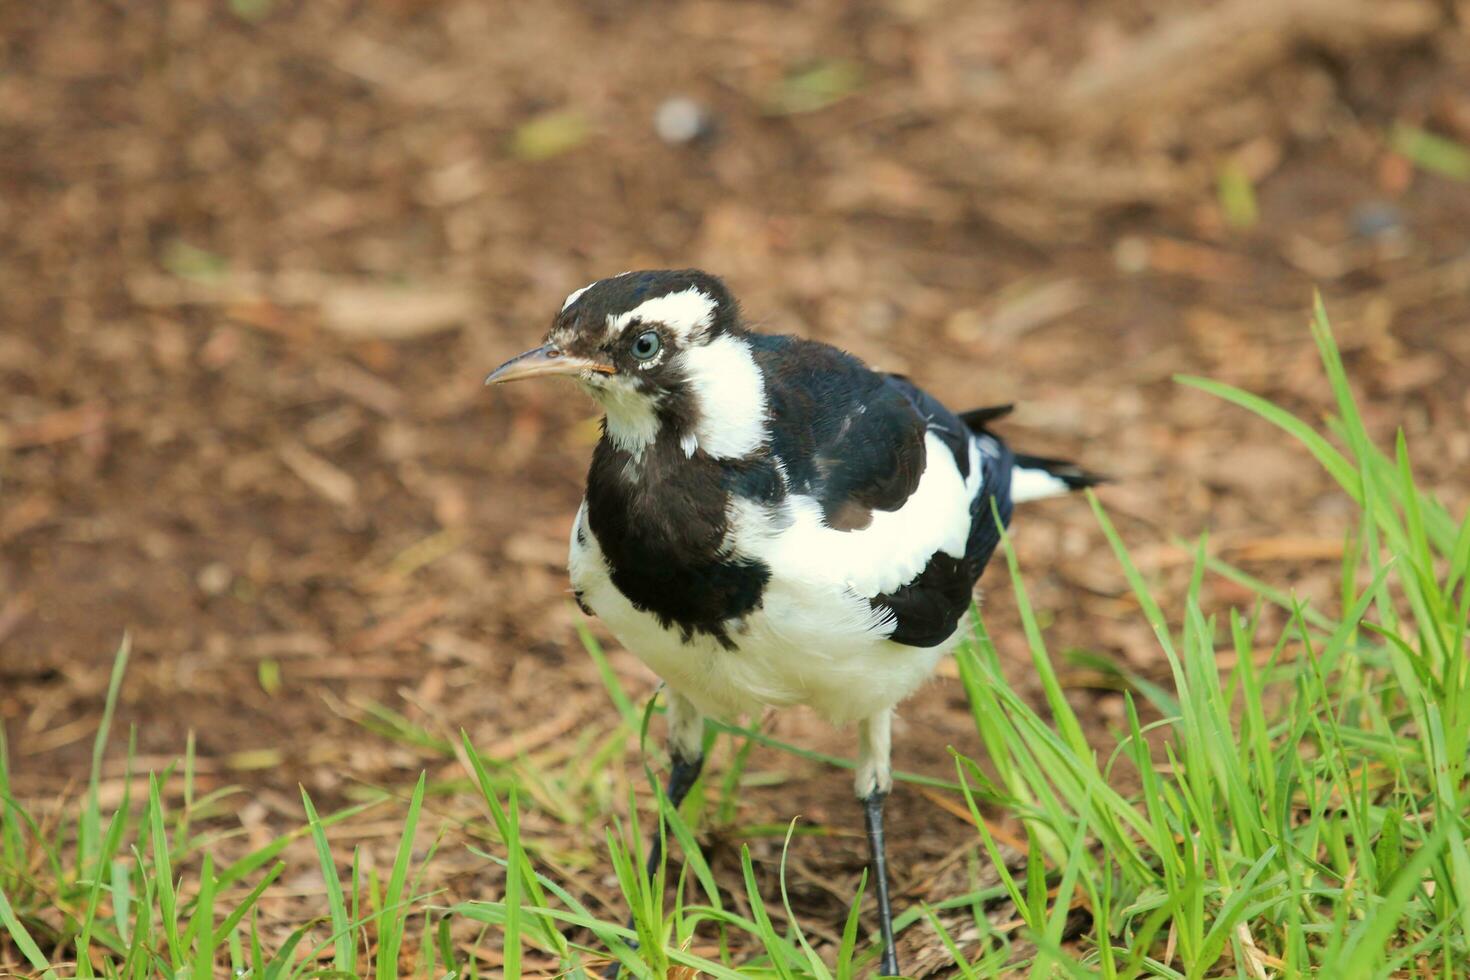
x=256, y=258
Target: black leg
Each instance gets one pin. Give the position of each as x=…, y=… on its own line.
x=873, y=811
x=682, y=774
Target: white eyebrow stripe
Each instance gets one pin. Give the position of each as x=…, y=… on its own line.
x=576, y=294
x=685, y=313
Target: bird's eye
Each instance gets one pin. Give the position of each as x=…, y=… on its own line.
x=646, y=345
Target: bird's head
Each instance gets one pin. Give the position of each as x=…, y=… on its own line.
x=654, y=348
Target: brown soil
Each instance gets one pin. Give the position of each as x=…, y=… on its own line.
x=255, y=259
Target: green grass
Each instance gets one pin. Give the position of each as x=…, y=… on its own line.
x=1300, y=814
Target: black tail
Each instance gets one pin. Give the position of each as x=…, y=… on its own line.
x=1074, y=476
x=1033, y=477
x=976, y=418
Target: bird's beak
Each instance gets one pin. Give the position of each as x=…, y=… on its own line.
x=546, y=359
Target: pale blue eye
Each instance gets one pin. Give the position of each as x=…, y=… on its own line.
x=646, y=345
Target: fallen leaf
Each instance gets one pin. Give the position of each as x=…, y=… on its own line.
x=550, y=134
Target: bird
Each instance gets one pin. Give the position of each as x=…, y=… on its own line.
x=770, y=522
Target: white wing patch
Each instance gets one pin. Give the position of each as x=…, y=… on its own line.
x=731, y=394
x=796, y=542
x=687, y=313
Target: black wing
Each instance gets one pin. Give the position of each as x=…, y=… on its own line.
x=846, y=436
x=952, y=430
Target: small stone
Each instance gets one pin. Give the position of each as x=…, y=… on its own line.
x=1374, y=218
x=215, y=578
x=1131, y=255
x=680, y=120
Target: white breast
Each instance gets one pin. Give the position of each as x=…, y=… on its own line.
x=815, y=640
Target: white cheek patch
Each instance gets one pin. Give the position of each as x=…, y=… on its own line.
x=687, y=314
x=731, y=395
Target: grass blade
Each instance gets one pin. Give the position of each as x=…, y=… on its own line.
x=391, y=919
x=345, y=958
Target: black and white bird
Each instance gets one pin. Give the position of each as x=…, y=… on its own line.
x=769, y=522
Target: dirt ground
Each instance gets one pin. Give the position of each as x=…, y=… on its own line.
x=257, y=257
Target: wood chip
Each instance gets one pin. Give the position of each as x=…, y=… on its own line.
x=1195, y=261
x=296, y=644
x=65, y=734
x=31, y=511
x=326, y=479
x=534, y=737
x=1188, y=56
x=62, y=426
x=948, y=804
x=371, y=311
x=1021, y=314
x=14, y=612
x=1285, y=549
x=398, y=628
x=351, y=669
x=363, y=387
x=534, y=548
x=360, y=309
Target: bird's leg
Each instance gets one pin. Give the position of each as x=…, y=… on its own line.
x=874, y=780
x=686, y=758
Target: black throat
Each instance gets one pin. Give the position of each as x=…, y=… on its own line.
x=662, y=521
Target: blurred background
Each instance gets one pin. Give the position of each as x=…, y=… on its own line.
x=257, y=256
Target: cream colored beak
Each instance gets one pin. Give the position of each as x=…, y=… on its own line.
x=546, y=359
